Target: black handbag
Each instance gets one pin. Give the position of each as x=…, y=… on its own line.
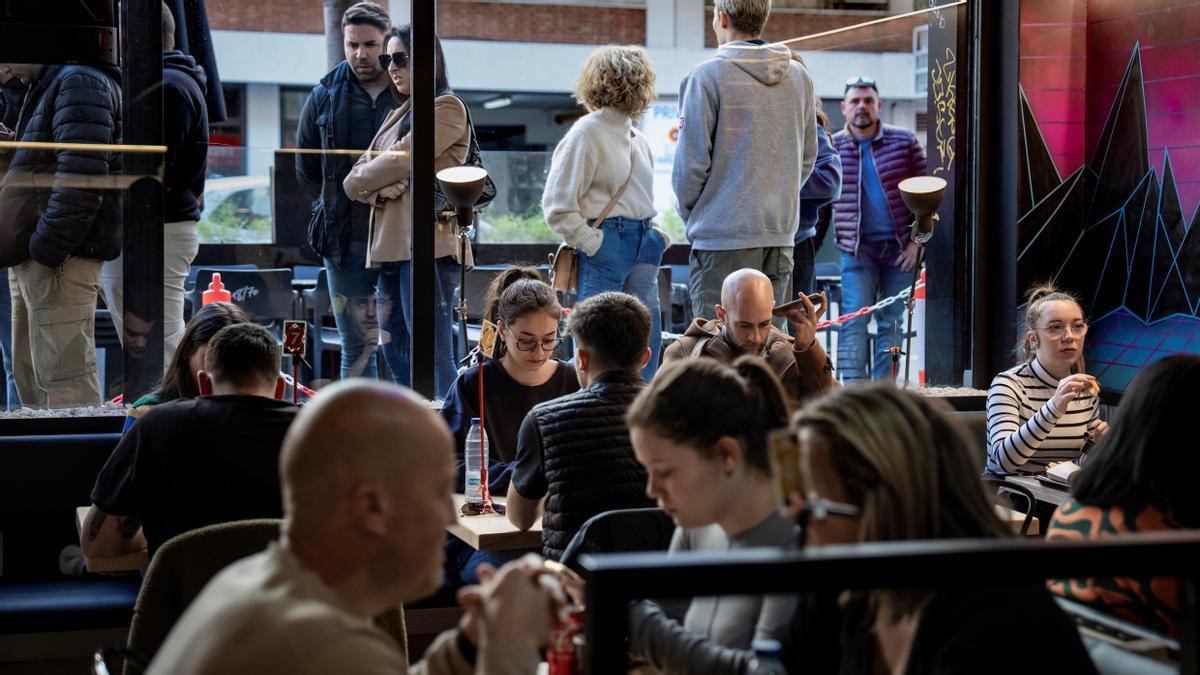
x=440, y=203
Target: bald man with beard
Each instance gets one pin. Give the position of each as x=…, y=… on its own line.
x=743, y=326
x=367, y=474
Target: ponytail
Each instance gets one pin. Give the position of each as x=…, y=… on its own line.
x=696, y=402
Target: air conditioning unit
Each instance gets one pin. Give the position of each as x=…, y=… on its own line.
x=59, y=31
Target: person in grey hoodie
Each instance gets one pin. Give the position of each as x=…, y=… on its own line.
x=747, y=143
x=185, y=130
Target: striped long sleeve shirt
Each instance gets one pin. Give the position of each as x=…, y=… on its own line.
x=1025, y=430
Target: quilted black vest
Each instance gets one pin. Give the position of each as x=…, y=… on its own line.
x=588, y=459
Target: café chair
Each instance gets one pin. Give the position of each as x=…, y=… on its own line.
x=621, y=531
x=1008, y=491
x=187, y=562
x=181, y=569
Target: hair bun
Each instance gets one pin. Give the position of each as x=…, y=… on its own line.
x=1039, y=291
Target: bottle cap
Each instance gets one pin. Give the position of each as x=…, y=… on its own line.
x=474, y=420
x=216, y=291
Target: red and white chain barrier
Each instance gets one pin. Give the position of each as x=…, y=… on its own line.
x=902, y=295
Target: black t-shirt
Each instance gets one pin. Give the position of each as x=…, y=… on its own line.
x=196, y=462
x=506, y=402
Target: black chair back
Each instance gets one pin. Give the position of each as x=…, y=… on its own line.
x=622, y=531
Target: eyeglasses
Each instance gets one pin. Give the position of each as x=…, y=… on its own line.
x=815, y=509
x=1056, y=330
x=478, y=509
x=860, y=81
x=548, y=344
x=401, y=59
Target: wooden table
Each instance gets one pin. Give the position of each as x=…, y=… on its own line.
x=1015, y=519
x=492, y=532
x=123, y=563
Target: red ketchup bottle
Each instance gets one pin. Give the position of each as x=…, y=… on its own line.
x=216, y=291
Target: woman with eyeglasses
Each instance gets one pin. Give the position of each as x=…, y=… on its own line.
x=381, y=178
x=880, y=464
x=1140, y=478
x=700, y=428
x=1046, y=409
x=523, y=373
x=604, y=169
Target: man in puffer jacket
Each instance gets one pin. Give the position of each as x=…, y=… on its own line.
x=59, y=221
x=871, y=226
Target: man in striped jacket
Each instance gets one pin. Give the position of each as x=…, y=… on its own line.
x=871, y=225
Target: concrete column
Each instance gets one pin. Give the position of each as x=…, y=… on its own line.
x=691, y=23
x=401, y=11
x=660, y=23
x=262, y=128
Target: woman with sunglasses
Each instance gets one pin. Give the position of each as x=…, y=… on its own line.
x=881, y=464
x=380, y=178
x=700, y=428
x=1046, y=409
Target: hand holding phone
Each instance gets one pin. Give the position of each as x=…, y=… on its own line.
x=816, y=299
x=802, y=315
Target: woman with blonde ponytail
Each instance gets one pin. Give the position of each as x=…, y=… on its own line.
x=700, y=428
x=1046, y=409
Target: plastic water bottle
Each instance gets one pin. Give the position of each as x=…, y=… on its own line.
x=474, y=473
x=768, y=655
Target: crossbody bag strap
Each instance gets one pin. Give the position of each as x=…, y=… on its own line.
x=620, y=191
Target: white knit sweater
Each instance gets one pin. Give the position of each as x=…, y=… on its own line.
x=590, y=164
x=1025, y=430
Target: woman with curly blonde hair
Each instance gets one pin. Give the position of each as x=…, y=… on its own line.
x=599, y=194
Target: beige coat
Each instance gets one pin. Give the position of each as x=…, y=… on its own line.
x=390, y=233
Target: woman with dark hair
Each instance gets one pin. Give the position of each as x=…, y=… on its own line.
x=180, y=380
x=1046, y=409
x=380, y=178
x=700, y=428
x=523, y=373
x=1139, y=478
x=880, y=464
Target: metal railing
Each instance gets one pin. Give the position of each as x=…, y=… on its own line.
x=614, y=580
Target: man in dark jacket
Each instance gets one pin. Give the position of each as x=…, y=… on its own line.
x=871, y=225
x=343, y=112
x=185, y=130
x=59, y=221
x=575, y=450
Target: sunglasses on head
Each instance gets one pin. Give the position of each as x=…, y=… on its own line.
x=861, y=81
x=401, y=59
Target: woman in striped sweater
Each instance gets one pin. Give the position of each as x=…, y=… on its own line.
x=1046, y=409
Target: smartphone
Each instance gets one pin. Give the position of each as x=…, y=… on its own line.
x=814, y=298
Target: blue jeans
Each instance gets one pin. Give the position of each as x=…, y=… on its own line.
x=395, y=311
x=628, y=261
x=13, y=401
x=349, y=288
x=866, y=279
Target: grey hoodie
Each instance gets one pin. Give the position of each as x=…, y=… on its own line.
x=747, y=143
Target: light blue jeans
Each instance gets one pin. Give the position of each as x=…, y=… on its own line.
x=13, y=400
x=395, y=312
x=628, y=261
x=866, y=279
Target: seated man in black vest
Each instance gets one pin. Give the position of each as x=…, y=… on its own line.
x=574, y=450
x=195, y=462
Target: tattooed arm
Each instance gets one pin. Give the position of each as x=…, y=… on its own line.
x=105, y=536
